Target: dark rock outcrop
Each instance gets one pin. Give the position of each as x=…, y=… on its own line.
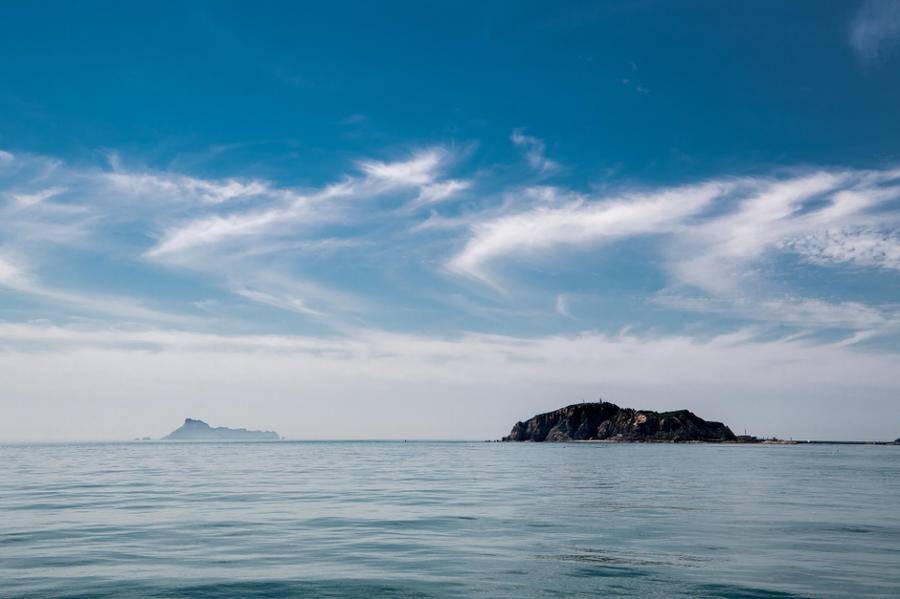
x=197, y=430
x=603, y=421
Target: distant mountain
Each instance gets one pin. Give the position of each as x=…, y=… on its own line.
x=197, y=430
x=603, y=421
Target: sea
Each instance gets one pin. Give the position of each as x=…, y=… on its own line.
x=448, y=519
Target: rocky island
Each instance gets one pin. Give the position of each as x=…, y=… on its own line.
x=197, y=430
x=604, y=421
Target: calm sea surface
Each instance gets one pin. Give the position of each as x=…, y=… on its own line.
x=362, y=519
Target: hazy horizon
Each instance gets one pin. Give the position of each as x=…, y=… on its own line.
x=405, y=221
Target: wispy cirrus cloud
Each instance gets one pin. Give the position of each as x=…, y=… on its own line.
x=535, y=151
x=718, y=238
x=865, y=247
x=16, y=277
x=175, y=187
x=434, y=193
x=875, y=31
x=713, y=254
x=176, y=243
x=717, y=242
x=789, y=310
x=219, y=228
x=419, y=169
x=561, y=303
x=27, y=200
x=12, y=274
x=579, y=222
x=330, y=268
x=725, y=255
x=287, y=210
x=281, y=291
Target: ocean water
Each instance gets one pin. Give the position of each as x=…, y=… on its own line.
x=365, y=519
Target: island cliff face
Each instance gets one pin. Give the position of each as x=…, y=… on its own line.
x=603, y=421
x=197, y=430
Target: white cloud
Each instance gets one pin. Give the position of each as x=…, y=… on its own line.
x=6, y=156
x=720, y=239
x=438, y=192
x=420, y=169
x=303, y=297
x=580, y=223
x=437, y=222
x=297, y=381
x=535, y=151
x=713, y=254
x=289, y=210
x=12, y=275
x=863, y=247
x=213, y=229
x=562, y=306
x=27, y=200
x=229, y=245
x=15, y=276
x=717, y=240
x=291, y=304
x=875, y=31
x=818, y=313
x=728, y=257
x=807, y=313
x=172, y=187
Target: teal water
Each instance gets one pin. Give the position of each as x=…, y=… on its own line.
x=362, y=519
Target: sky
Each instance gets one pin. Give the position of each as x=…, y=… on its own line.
x=431, y=220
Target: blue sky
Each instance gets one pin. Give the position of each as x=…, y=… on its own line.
x=431, y=220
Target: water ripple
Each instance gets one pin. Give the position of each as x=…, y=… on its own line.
x=447, y=520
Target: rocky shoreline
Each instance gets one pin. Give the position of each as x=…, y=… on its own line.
x=606, y=422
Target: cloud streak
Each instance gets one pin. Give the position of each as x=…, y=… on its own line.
x=717, y=242
x=535, y=151
x=875, y=31
x=717, y=238
x=290, y=210
x=15, y=277
x=580, y=223
x=864, y=247
x=313, y=376
x=386, y=279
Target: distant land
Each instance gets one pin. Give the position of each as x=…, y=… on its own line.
x=197, y=430
x=606, y=422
